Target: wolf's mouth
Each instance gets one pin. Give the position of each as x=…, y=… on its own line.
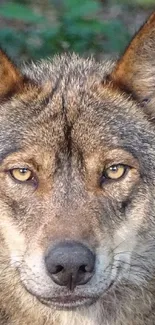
x=71, y=301
x=68, y=302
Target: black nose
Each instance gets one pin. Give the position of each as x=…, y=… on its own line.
x=70, y=263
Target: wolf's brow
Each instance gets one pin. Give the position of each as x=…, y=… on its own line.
x=4, y=153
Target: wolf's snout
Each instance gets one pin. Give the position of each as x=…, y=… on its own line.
x=70, y=263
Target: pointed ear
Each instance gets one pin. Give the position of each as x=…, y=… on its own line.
x=135, y=71
x=10, y=77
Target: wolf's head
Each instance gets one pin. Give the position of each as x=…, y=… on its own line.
x=77, y=177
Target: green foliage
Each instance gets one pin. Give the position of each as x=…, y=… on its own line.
x=142, y=3
x=19, y=11
x=76, y=27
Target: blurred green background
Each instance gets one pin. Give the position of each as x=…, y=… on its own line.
x=31, y=30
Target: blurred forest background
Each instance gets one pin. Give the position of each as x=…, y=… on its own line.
x=32, y=29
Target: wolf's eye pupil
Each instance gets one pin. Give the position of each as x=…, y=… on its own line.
x=113, y=168
x=23, y=170
x=21, y=174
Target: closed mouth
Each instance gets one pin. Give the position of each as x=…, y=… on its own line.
x=67, y=302
x=70, y=301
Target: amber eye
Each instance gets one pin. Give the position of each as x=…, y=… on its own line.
x=21, y=174
x=115, y=172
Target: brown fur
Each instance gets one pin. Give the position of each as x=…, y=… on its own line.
x=67, y=120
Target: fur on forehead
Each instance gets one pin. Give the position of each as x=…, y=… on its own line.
x=67, y=68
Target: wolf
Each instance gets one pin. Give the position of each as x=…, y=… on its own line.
x=77, y=189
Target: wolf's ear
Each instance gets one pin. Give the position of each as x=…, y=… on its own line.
x=135, y=71
x=10, y=77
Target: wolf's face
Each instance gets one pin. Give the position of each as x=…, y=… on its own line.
x=77, y=184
